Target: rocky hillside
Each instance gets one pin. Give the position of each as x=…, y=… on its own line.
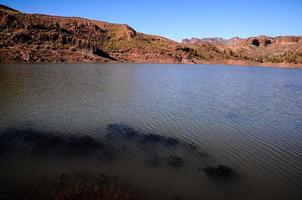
x=262, y=49
x=43, y=38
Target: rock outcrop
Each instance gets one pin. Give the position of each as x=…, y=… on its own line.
x=255, y=50
x=43, y=38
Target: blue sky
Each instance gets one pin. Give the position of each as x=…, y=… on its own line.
x=178, y=19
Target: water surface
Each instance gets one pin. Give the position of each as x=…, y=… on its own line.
x=155, y=127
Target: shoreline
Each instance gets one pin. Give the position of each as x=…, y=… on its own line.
x=231, y=63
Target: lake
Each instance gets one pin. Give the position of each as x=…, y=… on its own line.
x=161, y=130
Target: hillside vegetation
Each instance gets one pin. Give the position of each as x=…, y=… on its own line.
x=44, y=38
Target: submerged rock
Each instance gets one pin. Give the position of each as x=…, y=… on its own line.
x=171, y=141
x=219, y=172
x=192, y=148
x=175, y=161
x=152, y=138
x=159, y=139
x=122, y=131
x=120, y=140
x=41, y=143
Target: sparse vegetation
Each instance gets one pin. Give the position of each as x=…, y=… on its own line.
x=76, y=39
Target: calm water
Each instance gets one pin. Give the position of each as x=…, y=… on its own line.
x=156, y=127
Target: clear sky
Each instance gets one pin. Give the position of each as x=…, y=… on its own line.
x=178, y=19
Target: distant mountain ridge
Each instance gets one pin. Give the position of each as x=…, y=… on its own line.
x=261, y=39
x=44, y=38
x=261, y=49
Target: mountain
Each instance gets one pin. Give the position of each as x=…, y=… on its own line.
x=43, y=38
x=262, y=49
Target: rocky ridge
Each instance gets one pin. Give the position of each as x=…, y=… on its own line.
x=43, y=38
x=262, y=49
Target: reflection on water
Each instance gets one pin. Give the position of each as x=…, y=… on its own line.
x=150, y=131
